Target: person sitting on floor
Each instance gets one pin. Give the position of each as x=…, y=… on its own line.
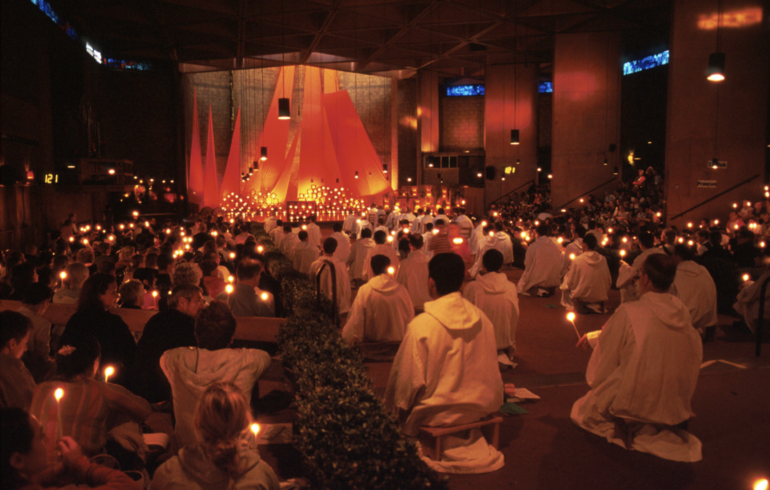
x=38, y=355
x=542, y=264
x=190, y=370
x=381, y=248
x=695, y=287
x=89, y=409
x=25, y=459
x=304, y=253
x=573, y=250
x=413, y=274
x=93, y=319
x=382, y=307
x=77, y=274
x=588, y=281
x=243, y=301
x=643, y=371
x=446, y=373
x=497, y=297
x=219, y=460
x=629, y=275
x=16, y=382
x=168, y=329
x=342, y=279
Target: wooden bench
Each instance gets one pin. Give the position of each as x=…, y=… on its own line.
x=258, y=329
x=439, y=432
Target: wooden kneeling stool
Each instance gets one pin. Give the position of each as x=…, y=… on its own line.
x=439, y=432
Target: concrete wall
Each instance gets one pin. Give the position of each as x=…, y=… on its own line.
x=727, y=120
x=586, y=112
x=461, y=123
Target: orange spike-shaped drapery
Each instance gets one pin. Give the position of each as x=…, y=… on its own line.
x=210, y=187
x=195, y=181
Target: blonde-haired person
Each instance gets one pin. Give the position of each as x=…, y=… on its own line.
x=223, y=457
x=77, y=274
x=132, y=295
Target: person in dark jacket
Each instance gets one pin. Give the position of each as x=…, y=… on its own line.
x=169, y=329
x=99, y=293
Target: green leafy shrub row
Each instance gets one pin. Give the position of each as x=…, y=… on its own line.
x=341, y=428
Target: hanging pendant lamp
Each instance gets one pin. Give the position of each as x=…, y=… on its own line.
x=284, y=108
x=716, y=71
x=514, y=136
x=263, y=153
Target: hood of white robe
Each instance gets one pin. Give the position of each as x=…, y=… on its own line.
x=669, y=309
x=594, y=259
x=689, y=268
x=502, y=236
x=384, y=283
x=453, y=312
x=493, y=282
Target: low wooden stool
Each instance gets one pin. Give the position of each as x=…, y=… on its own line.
x=439, y=432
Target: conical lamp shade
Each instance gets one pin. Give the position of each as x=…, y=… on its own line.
x=514, y=136
x=263, y=153
x=284, y=108
x=716, y=71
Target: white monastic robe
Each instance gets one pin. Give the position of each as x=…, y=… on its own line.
x=426, y=238
x=695, y=287
x=372, y=216
x=476, y=235
x=383, y=249
x=303, y=255
x=417, y=228
x=445, y=373
x=427, y=218
x=349, y=225
x=391, y=221
x=343, y=281
x=357, y=257
x=747, y=302
x=381, y=311
x=497, y=297
x=288, y=242
x=343, y=246
x=588, y=280
x=488, y=242
x=314, y=235
x=413, y=275
x=362, y=225
x=381, y=228
x=598, y=234
x=575, y=247
x=409, y=216
x=276, y=235
x=441, y=217
x=270, y=223
x=542, y=265
x=627, y=277
x=466, y=226
x=644, y=371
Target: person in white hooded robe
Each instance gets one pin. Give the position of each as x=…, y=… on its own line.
x=350, y=226
x=413, y=273
x=696, y=288
x=445, y=372
x=358, y=253
x=542, y=264
x=289, y=240
x=304, y=253
x=343, y=243
x=497, y=297
x=588, y=281
x=382, y=308
x=381, y=248
x=277, y=233
x=497, y=240
x=465, y=223
x=573, y=249
x=341, y=273
x=628, y=275
x=643, y=371
x=314, y=233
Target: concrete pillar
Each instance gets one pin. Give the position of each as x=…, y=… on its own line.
x=503, y=113
x=726, y=120
x=586, y=113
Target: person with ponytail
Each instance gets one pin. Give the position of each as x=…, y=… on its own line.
x=89, y=408
x=225, y=456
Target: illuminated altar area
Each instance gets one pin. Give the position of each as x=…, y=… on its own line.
x=334, y=151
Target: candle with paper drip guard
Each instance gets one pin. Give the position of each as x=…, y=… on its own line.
x=58, y=394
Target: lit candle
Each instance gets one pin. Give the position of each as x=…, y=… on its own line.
x=155, y=298
x=264, y=296
x=622, y=253
x=255, y=431
x=58, y=394
x=391, y=270
x=572, y=256
x=108, y=371
x=571, y=318
x=761, y=484
x=260, y=248
x=746, y=277
x=229, y=289
x=62, y=275
x=230, y=279
x=232, y=255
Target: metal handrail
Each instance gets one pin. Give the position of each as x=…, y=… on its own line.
x=714, y=197
x=760, y=321
x=588, y=192
x=335, y=310
x=530, y=181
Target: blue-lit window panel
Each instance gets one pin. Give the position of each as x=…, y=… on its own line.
x=127, y=64
x=46, y=8
x=545, y=87
x=464, y=90
x=647, y=63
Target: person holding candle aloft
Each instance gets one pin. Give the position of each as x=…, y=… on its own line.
x=16, y=382
x=88, y=407
x=224, y=456
x=25, y=463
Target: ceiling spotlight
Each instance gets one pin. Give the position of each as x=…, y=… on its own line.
x=284, y=108
x=263, y=153
x=716, y=71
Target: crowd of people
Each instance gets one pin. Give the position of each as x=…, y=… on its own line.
x=432, y=281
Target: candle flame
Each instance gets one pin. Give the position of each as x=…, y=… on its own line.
x=63, y=275
x=229, y=288
x=58, y=394
x=746, y=277
x=622, y=253
x=154, y=294
x=572, y=256
x=108, y=371
x=264, y=296
x=254, y=428
x=457, y=241
x=761, y=484
x=391, y=270
x=230, y=279
x=571, y=316
x=232, y=255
